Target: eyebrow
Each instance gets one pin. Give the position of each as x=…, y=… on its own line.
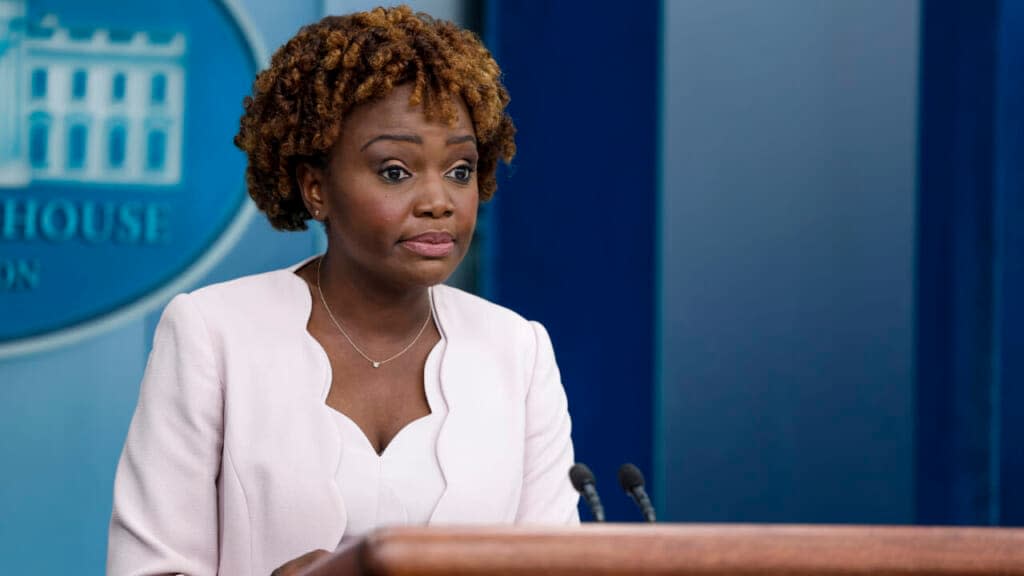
x=460, y=139
x=416, y=139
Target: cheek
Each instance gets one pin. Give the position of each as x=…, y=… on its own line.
x=469, y=201
x=468, y=206
x=374, y=211
x=385, y=214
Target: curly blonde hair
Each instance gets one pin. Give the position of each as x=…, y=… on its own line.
x=299, y=103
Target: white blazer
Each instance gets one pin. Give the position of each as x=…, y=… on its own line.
x=229, y=465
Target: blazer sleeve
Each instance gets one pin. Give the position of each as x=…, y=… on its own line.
x=164, y=517
x=547, y=496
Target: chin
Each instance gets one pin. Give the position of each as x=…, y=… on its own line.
x=432, y=272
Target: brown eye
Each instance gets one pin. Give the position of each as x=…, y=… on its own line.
x=462, y=173
x=394, y=174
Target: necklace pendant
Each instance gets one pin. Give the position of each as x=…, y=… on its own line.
x=376, y=364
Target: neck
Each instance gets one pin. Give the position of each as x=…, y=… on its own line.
x=373, y=310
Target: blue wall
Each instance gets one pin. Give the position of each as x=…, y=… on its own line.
x=1009, y=268
x=954, y=291
x=970, y=290
x=787, y=252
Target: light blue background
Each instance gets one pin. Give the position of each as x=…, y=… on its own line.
x=64, y=413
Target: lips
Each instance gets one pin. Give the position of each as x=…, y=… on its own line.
x=430, y=244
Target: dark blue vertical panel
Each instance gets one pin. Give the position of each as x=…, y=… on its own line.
x=1009, y=269
x=954, y=282
x=574, y=216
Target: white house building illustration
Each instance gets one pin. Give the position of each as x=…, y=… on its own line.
x=94, y=106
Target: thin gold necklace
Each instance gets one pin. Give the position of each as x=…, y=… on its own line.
x=374, y=363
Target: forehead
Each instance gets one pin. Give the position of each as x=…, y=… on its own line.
x=393, y=113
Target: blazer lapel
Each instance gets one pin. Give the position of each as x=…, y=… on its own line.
x=472, y=446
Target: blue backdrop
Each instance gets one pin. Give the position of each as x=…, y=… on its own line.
x=787, y=251
x=574, y=215
x=970, y=332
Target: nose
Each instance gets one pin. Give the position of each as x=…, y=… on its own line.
x=434, y=200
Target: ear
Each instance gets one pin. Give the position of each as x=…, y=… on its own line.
x=310, y=179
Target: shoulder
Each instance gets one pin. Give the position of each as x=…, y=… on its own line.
x=247, y=305
x=468, y=317
x=471, y=311
x=248, y=291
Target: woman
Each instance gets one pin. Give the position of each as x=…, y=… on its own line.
x=286, y=412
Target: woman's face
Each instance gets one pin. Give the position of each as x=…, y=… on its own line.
x=399, y=193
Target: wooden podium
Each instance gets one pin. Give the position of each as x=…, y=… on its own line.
x=686, y=549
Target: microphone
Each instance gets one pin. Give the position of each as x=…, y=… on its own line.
x=632, y=481
x=583, y=481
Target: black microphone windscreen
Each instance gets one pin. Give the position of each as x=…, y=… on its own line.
x=630, y=477
x=580, y=475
